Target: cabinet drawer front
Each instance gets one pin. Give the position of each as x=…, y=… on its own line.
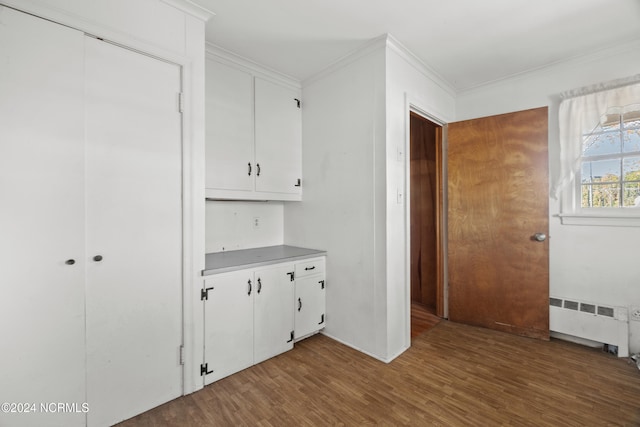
x=307, y=268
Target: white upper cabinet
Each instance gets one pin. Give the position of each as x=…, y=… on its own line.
x=229, y=128
x=253, y=135
x=278, y=122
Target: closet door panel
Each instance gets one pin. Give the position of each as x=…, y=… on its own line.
x=134, y=232
x=41, y=218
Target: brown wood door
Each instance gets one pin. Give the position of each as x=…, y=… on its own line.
x=497, y=201
x=426, y=196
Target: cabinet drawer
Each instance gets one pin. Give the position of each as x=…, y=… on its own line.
x=309, y=267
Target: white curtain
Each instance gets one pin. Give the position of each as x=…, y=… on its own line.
x=581, y=111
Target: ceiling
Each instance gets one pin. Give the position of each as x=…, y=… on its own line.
x=466, y=42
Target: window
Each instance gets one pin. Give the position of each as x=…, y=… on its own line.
x=599, y=143
x=610, y=163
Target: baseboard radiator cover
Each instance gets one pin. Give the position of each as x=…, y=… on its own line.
x=602, y=323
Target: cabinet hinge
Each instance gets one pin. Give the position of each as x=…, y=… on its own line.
x=291, y=276
x=182, y=355
x=297, y=102
x=204, y=293
x=204, y=369
x=321, y=284
x=180, y=102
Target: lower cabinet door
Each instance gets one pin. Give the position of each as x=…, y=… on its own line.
x=273, y=319
x=228, y=315
x=309, y=305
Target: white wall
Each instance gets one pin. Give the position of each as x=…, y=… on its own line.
x=408, y=82
x=231, y=225
x=355, y=121
x=343, y=136
x=172, y=30
x=590, y=263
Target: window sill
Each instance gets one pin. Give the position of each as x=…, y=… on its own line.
x=619, y=219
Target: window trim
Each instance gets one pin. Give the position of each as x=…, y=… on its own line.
x=574, y=214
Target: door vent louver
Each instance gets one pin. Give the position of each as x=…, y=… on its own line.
x=555, y=302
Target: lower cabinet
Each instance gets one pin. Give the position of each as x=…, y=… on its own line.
x=309, y=298
x=252, y=315
x=272, y=313
x=248, y=319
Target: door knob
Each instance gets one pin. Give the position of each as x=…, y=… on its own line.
x=540, y=237
x=97, y=258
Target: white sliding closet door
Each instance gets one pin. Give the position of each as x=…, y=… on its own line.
x=42, y=356
x=134, y=223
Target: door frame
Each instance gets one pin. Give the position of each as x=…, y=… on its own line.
x=415, y=106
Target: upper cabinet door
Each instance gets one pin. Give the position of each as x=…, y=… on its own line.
x=278, y=124
x=229, y=128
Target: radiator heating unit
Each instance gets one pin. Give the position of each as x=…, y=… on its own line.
x=601, y=323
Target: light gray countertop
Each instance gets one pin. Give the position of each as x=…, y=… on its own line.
x=222, y=262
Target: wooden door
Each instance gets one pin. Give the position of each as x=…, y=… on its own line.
x=41, y=218
x=278, y=138
x=426, y=204
x=228, y=324
x=134, y=232
x=273, y=312
x=497, y=200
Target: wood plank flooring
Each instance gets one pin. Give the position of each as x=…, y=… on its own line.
x=453, y=375
x=422, y=319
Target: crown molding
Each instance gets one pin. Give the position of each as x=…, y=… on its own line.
x=227, y=57
x=419, y=65
x=191, y=8
x=632, y=46
x=385, y=41
x=364, y=50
